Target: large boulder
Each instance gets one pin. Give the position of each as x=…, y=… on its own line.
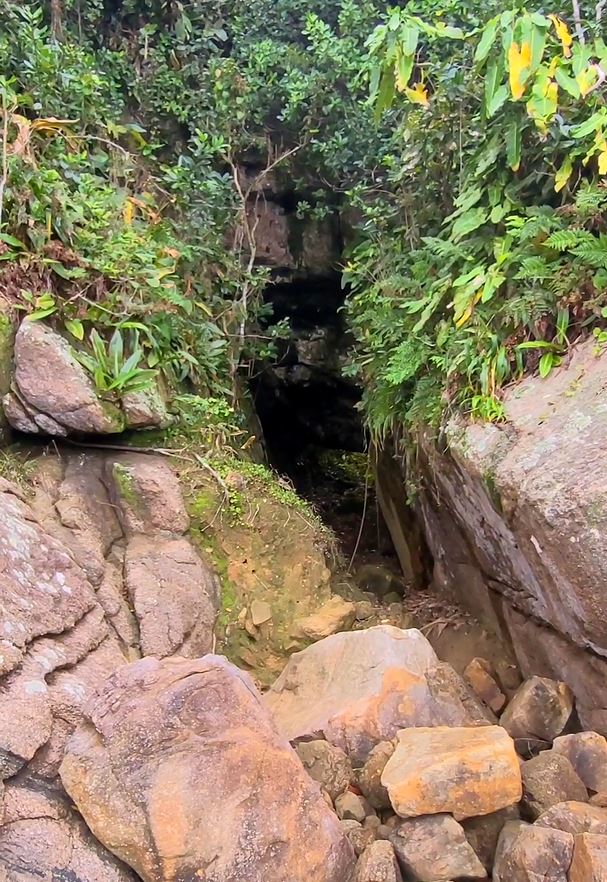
x=178, y=771
x=514, y=515
x=466, y=772
x=43, y=840
x=359, y=688
x=52, y=394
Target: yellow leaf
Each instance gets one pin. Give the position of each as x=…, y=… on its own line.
x=562, y=32
x=563, y=174
x=603, y=162
x=128, y=212
x=587, y=79
x=418, y=94
x=519, y=59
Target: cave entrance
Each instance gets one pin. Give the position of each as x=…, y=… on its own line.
x=312, y=425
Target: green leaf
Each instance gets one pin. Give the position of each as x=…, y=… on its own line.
x=468, y=222
x=567, y=83
x=409, y=39
x=10, y=240
x=38, y=314
x=513, y=144
x=547, y=362
x=487, y=40
x=75, y=328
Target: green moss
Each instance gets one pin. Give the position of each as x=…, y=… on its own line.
x=203, y=505
x=492, y=491
x=126, y=485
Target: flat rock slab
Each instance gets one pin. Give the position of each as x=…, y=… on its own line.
x=178, y=771
x=575, y=817
x=466, y=772
x=359, y=688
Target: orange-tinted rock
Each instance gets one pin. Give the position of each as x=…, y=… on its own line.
x=335, y=615
x=482, y=679
x=540, y=709
x=587, y=753
x=466, y=772
x=533, y=854
x=358, y=688
x=589, y=862
x=178, y=771
x=369, y=777
x=575, y=817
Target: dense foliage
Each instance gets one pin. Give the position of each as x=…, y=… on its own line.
x=464, y=143
x=493, y=256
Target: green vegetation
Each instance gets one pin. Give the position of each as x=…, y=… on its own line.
x=463, y=145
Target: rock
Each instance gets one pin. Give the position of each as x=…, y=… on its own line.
x=145, y=409
x=147, y=493
x=358, y=688
x=435, y=847
x=483, y=833
x=174, y=595
x=261, y=612
x=587, y=753
x=326, y=764
x=445, y=683
x=360, y=837
x=350, y=807
x=378, y=864
x=50, y=383
x=547, y=780
x=378, y=580
x=533, y=854
x=506, y=840
x=574, y=817
x=41, y=838
x=540, y=709
x=364, y=610
x=369, y=777
x=336, y=615
x=481, y=677
x=589, y=862
x=169, y=747
x=466, y=772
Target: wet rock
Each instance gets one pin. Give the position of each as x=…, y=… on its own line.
x=369, y=777
x=336, y=615
x=378, y=864
x=170, y=746
x=41, y=838
x=359, y=688
x=483, y=833
x=147, y=493
x=530, y=854
x=50, y=383
x=174, y=595
x=466, y=772
x=540, y=709
x=574, y=817
x=481, y=677
x=547, y=780
x=435, y=847
x=587, y=753
x=326, y=764
x=589, y=862
x=350, y=807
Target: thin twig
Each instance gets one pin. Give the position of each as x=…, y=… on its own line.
x=577, y=17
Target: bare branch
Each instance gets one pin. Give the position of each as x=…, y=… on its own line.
x=577, y=17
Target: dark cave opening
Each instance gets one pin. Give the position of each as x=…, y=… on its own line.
x=311, y=420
